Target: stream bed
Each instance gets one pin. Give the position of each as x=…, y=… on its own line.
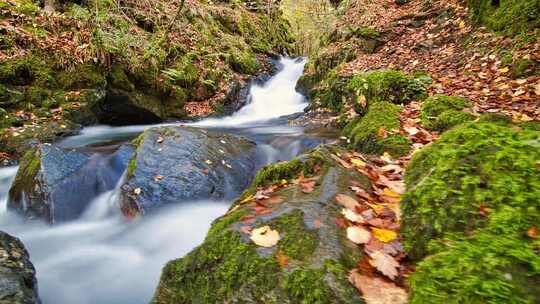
x=101, y=257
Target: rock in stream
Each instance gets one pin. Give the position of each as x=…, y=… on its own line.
x=18, y=284
x=178, y=164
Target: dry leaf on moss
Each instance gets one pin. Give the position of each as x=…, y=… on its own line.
x=376, y=290
x=265, y=236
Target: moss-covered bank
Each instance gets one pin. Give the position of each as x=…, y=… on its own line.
x=472, y=198
x=309, y=264
x=95, y=61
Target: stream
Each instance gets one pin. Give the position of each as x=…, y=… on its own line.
x=103, y=258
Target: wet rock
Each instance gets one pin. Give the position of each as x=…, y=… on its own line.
x=310, y=262
x=18, y=284
x=56, y=185
x=177, y=164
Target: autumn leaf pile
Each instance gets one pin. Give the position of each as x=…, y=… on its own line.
x=462, y=59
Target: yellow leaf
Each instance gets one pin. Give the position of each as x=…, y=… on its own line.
x=377, y=208
x=358, y=162
x=245, y=200
x=265, y=236
x=384, y=235
x=461, y=24
x=389, y=192
x=504, y=70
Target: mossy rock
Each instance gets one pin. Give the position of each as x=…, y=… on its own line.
x=388, y=85
x=441, y=112
x=365, y=135
x=509, y=17
x=474, y=167
x=229, y=268
x=472, y=197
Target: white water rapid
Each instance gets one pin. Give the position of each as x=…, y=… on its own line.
x=103, y=258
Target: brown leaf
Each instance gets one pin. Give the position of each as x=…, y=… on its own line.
x=283, y=260
x=347, y=202
x=376, y=290
x=341, y=161
x=205, y=170
x=358, y=235
x=533, y=232
x=385, y=263
x=246, y=229
x=307, y=187
x=159, y=139
x=352, y=216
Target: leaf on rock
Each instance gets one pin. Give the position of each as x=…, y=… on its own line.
x=265, y=236
x=358, y=235
x=159, y=139
x=376, y=290
x=358, y=162
x=341, y=161
x=352, y=216
x=384, y=235
x=390, y=193
x=307, y=187
x=158, y=177
x=385, y=264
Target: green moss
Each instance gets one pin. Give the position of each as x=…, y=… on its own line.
x=333, y=92
x=243, y=62
x=275, y=173
x=477, y=164
x=509, y=17
x=30, y=69
x=296, y=241
x=364, y=132
x=472, y=197
x=82, y=76
x=216, y=271
x=119, y=79
x=524, y=67
x=387, y=85
x=441, y=112
x=486, y=267
x=308, y=286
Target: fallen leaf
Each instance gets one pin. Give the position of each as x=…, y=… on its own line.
x=245, y=229
x=159, y=139
x=137, y=191
x=357, y=162
x=358, y=235
x=208, y=162
x=307, y=187
x=384, y=235
x=347, y=202
x=390, y=193
x=533, y=232
x=504, y=70
x=341, y=161
x=385, y=264
x=283, y=260
x=157, y=178
x=205, y=170
x=352, y=216
x=265, y=236
x=376, y=290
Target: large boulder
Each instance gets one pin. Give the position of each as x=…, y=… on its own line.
x=18, y=284
x=310, y=262
x=56, y=185
x=177, y=164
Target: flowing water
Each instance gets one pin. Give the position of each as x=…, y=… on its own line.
x=103, y=258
